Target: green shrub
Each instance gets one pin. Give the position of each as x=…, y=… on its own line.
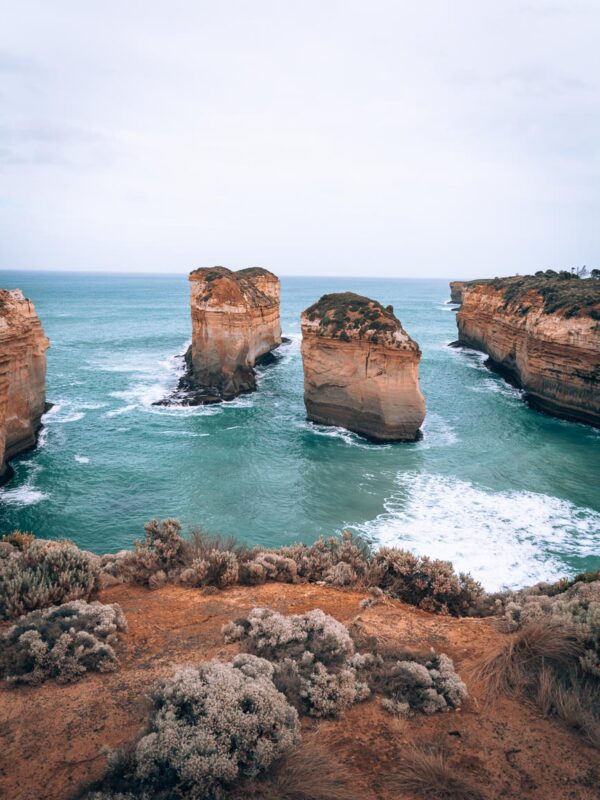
x=44, y=573
x=62, y=642
x=427, y=583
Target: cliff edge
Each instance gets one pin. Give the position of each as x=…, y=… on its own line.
x=361, y=368
x=542, y=332
x=23, y=347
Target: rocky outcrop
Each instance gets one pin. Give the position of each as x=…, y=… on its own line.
x=22, y=376
x=235, y=323
x=542, y=333
x=456, y=290
x=361, y=369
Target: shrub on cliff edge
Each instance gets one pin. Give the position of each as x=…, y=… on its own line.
x=62, y=642
x=44, y=573
x=427, y=583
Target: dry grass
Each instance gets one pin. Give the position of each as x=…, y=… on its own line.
x=575, y=705
x=516, y=665
x=427, y=773
x=308, y=772
x=540, y=663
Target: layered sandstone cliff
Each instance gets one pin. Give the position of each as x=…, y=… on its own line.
x=543, y=333
x=235, y=322
x=361, y=369
x=22, y=376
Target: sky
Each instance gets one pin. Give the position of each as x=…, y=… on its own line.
x=405, y=139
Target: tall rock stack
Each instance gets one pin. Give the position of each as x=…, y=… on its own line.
x=361, y=369
x=235, y=322
x=23, y=348
x=542, y=332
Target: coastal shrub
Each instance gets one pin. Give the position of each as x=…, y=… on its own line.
x=163, y=550
x=62, y=642
x=411, y=682
x=44, y=573
x=210, y=726
x=410, y=686
x=573, y=603
x=268, y=565
x=320, y=561
x=315, y=664
x=217, y=568
x=427, y=773
x=427, y=583
x=19, y=539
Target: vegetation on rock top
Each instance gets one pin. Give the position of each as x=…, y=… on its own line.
x=346, y=315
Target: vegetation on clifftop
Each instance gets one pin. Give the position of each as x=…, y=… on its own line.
x=561, y=292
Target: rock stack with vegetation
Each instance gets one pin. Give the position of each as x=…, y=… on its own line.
x=235, y=323
x=361, y=369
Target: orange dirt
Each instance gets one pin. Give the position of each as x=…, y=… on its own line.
x=52, y=736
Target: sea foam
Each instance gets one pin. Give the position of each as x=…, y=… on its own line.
x=505, y=539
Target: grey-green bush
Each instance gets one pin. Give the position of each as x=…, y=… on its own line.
x=315, y=664
x=62, y=642
x=44, y=573
x=211, y=726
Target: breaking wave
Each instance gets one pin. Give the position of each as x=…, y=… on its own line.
x=504, y=539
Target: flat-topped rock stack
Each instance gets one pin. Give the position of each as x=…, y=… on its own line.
x=235, y=323
x=542, y=332
x=23, y=346
x=361, y=369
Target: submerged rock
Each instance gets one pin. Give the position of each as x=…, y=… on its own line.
x=235, y=323
x=361, y=368
x=542, y=332
x=23, y=347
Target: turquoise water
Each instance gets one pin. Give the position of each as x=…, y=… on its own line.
x=503, y=491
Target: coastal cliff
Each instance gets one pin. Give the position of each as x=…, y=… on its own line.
x=456, y=291
x=541, y=332
x=235, y=322
x=22, y=376
x=361, y=369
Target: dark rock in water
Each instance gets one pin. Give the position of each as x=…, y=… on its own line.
x=188, y=393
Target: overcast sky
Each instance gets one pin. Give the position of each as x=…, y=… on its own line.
x=450, y=138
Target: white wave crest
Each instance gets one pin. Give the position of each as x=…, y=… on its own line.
x=82, y=459
x=505, y=539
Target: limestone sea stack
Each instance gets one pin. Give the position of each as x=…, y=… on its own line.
x=235, y=323
x=456, y=290
x=542, y=332
x=361, y=369
x=23, y=348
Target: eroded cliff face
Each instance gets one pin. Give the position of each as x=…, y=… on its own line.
x=456, y=290
x=361, y=369
x=22, y=376
x=235, y=322
x=543, y=336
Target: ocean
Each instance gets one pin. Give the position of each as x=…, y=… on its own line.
x=509, y=494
